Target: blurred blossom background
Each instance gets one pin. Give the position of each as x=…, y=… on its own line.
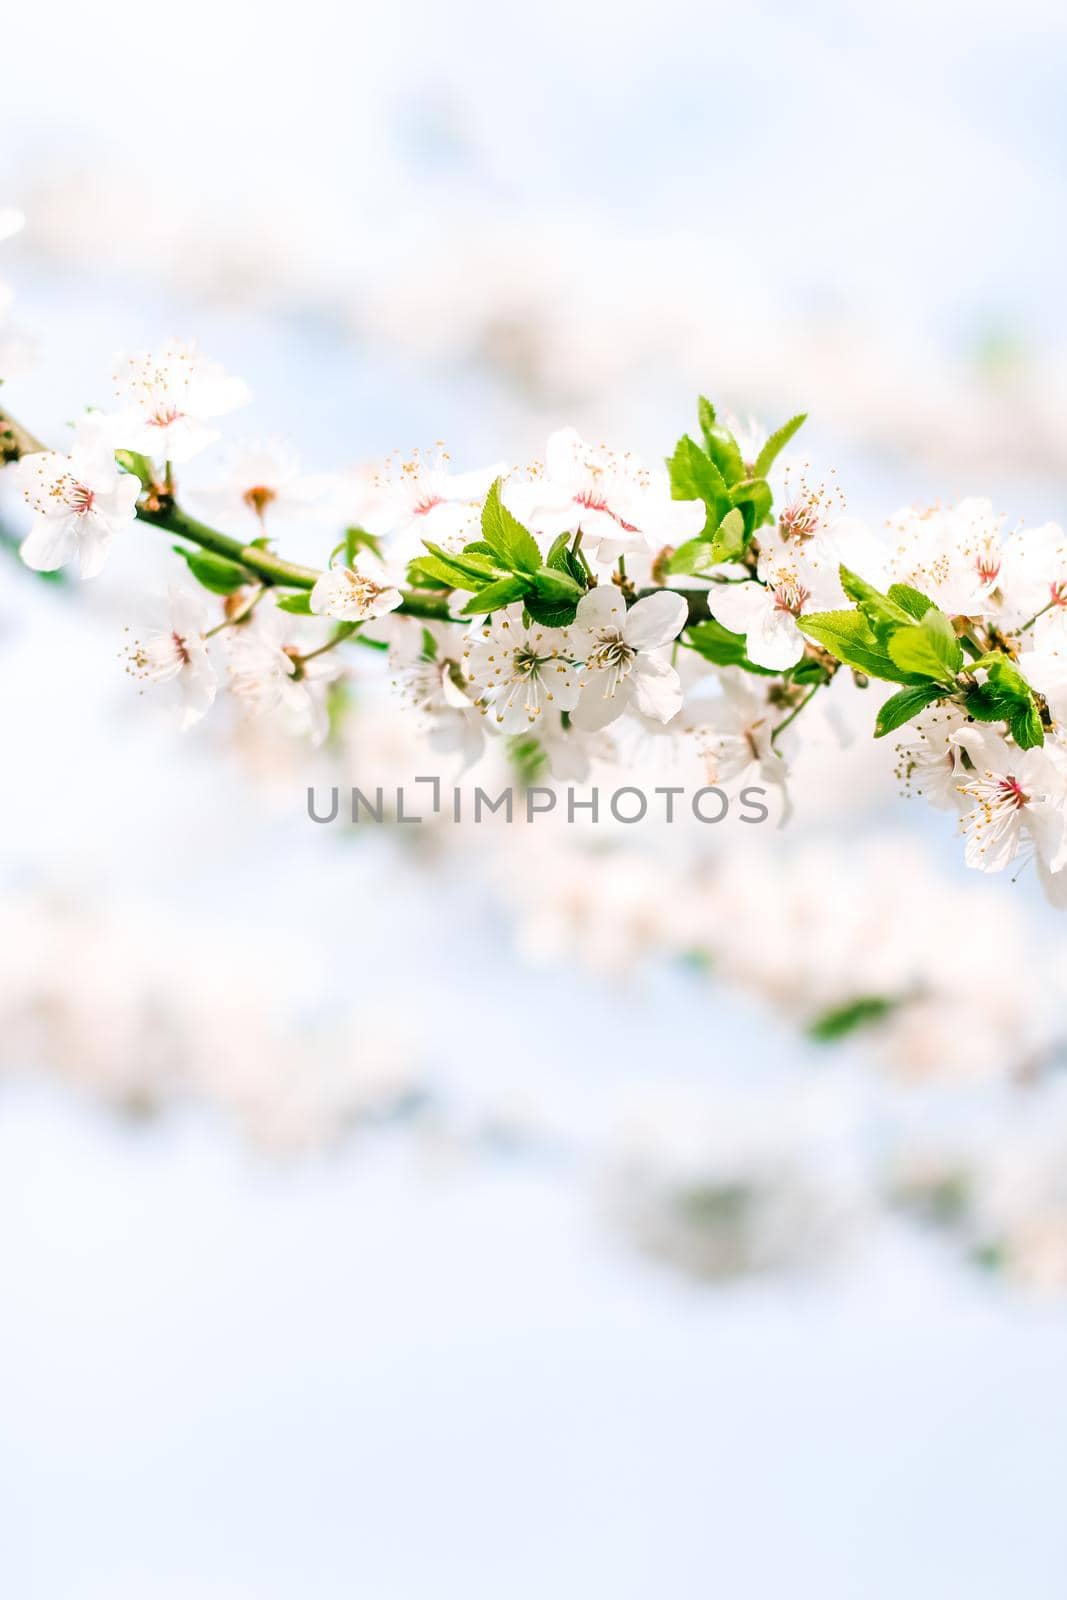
x=474, y=1212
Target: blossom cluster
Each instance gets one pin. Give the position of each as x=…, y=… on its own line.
x=571, y=604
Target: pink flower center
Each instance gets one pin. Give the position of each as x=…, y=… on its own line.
x=1058, y=592
x=81, y=499
x=791, y=597
x=164, y=416
x=594, y=502
x=1012, y=792
x=427, y=503
x=987, y=568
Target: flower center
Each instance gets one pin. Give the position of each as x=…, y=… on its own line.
x=426, y=504
x=799, y=521
x=596, y=502
x=80, y=499
x=258, y=498
x=790, y=596
x=987, y=567
x=163, y=416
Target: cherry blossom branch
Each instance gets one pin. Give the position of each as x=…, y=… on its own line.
x=161, y=512
x=15, y=440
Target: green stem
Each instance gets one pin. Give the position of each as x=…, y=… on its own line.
x=271, y=569
x=783, y=725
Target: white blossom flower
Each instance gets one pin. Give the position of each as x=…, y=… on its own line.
x=434, y=687
x=178, y=653
x=409, y=501
x=520, y=672
x=352, y=595
x=170, y=395
x=1044, y=663
x=79, y=503
x=617, y=502
x=1017, y=797
x=263, y=481
x=1033, y=574
x=623, y=664
x=734, y=733
x=268, y=677
x=952, y=555
x=929, y=759
x=797, y=571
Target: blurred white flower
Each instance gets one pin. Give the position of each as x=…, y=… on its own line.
x=79, y=503
x=169, y=396
x=733, y=732
x=405, y=502
x=623, y=666
x=617, y=502
x=178, y=654
x=263, y=481
x=272, y=678
x=952, y=555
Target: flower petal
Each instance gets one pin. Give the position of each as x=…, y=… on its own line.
x=655, y=620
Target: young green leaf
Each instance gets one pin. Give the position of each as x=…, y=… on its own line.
x=139, y=465
x=883, y=614
x=904, y=705
x=753, y=496
x=909, y=600
x=720, y=444
x=716, y=643
x=843, y=1020
x=214, y=572
x=513, y=545
x=299, y=605
x=459, y=569
x=777, y=443
x=550, y=584
x=928, y=648
x=495, y=596
x=850, y=638
x=695, y=477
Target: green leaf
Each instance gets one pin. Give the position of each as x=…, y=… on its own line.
x=565, y=560
x=720, y=444
x=716, y=643
x=139, y=465
x=550, y=613
x=850, y=638
x=695, y=477
x=883, y=613
x=928, y=648
x=753, y=496
x=904, y=705
x=360, y=539
x=298, y=604
x=506, y=537
x=495, y=596
x=214, y=572
x=777, y=443
x=560, y=587
x=728, y=540
x=909, y=600
x=843, y=1020
x=458, y=570
x=692, y=559
x=1025, y=725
